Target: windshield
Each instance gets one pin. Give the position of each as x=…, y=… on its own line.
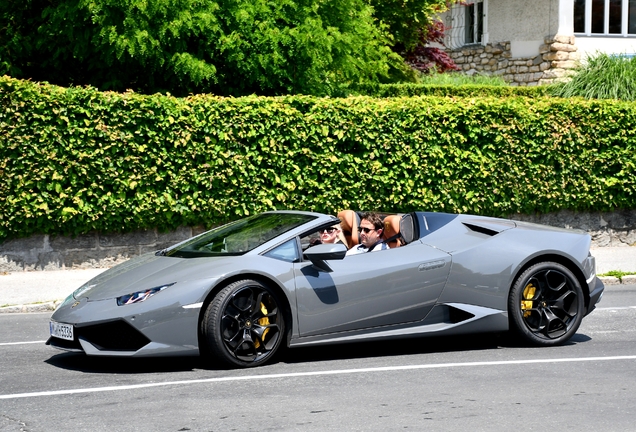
x=239, y=237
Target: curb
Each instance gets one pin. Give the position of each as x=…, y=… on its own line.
x=34, y=307
x=52, y=305
x=611, y=280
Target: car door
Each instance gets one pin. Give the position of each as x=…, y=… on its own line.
x=369, y=290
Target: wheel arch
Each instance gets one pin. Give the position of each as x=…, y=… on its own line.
x=270, y=282
x=560, y=259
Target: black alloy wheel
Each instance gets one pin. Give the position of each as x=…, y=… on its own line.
x=244, y=325
x=546, y=304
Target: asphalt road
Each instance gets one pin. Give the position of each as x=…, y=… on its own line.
x=477, y=383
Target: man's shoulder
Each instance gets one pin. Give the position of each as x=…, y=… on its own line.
x=380, y=246
x=357, y=249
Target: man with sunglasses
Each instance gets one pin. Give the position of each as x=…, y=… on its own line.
x=370, y=233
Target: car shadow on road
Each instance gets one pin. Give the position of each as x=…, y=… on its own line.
x=428, y=345
x=395, y=348
x=389, y=348
x=83, y=363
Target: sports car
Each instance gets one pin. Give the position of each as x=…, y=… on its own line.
x=242, y=292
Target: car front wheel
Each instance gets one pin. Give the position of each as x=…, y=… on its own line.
x=546, y=304
x=243, y=326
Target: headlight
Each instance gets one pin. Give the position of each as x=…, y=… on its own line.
x=139, y=296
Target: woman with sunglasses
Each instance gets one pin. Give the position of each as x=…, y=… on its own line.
x=332, y=234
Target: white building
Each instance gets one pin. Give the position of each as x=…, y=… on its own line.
x=536, y=41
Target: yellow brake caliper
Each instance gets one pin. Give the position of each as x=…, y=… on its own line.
x=263, y=321
x=528, y=295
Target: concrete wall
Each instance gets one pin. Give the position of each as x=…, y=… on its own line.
x=44, y=252
x=525, y=24
x=522, y=22
x=590, y=46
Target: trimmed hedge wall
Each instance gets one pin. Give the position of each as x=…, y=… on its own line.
x=76, y=160
x=467, y=90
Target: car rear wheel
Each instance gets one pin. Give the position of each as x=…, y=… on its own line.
x=546, y=304
x=243, y=325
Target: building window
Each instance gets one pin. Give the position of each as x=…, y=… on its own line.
x=474, y=26
x=605, y=17
x=465, y=24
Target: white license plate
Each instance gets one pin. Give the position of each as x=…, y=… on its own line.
x=62, y=331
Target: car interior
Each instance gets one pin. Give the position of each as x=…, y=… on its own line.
x=399, y=229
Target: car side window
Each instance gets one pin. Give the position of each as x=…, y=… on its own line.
x=285, y=252
x=309, y=240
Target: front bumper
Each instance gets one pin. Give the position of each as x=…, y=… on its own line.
x=159, y=326
x=596, y=294
x=116, y=335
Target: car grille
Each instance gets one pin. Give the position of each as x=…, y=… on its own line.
x=112, y=336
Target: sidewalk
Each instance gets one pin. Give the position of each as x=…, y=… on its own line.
x=615, y=258
x=40, y=291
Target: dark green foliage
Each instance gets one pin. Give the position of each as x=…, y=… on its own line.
x=224, y=47
x=75, y=160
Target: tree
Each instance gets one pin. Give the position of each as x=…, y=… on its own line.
x=186, y=46
x=19, y=21
x=236, y=47
x=426, y=58
x=406, y=19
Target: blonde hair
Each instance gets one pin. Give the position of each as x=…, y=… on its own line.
x=341, y=235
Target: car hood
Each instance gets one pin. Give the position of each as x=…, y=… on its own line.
x=150, y=271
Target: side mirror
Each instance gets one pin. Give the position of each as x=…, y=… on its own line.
x=320, y=253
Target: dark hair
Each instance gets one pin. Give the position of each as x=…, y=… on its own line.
x=374, y=218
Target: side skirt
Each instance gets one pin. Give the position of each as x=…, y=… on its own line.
x=444, y=319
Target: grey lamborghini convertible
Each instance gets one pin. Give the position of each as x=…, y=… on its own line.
x=240, y=292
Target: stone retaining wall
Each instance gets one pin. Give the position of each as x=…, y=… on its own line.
x=94, y=250
x=557, y=56
x=47, y=252
x=607, y=229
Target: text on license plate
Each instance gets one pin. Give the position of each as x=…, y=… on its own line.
x=62, y=331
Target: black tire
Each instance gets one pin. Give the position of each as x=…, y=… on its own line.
x=244, y=325
x=546, y=304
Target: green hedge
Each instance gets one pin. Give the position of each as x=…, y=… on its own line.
x=75, y=160
x=467, y=90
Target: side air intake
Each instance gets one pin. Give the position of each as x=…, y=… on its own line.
x=490, y=227
x=480, y=229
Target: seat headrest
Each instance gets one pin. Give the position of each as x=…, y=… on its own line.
x=391, y=232
x=349, y=222
x=407, y=228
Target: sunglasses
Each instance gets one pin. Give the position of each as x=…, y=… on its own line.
x=365, y=229
x=328, y=230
